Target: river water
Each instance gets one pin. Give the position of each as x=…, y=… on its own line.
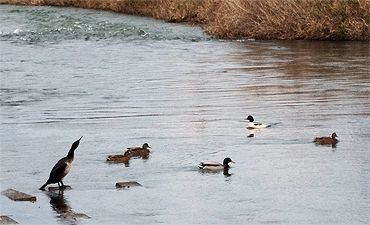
x=121, y=81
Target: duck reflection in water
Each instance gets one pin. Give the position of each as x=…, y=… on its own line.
x=251, y=132
x=143, y=155
x=225, y=172
x=333, y=145
x=61, y=206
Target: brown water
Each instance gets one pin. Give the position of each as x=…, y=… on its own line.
x=122, y=80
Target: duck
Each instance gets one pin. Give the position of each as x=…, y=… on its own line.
x=119, y=158
x=255, y=125
x=215, y=165
x=138, y=151
x=327, y=140
x=62, y=168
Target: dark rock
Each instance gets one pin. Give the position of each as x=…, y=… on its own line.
x=7, y=220
x=127, y=184
x=18, y=196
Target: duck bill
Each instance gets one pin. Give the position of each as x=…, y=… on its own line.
x=233, y=162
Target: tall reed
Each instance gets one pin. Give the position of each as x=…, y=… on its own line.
x=243, y=19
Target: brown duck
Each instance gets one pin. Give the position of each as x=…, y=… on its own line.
x=137, y=151
x=62, y=167
x=119, y=158
x=327, y=140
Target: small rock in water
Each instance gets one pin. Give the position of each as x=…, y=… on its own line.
x=7, y=220
x=72, y=215
x=127, y=184
x=59, y=189
x=18, y=196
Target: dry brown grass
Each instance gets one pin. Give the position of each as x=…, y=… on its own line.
x=243, y=19
x=293, y=19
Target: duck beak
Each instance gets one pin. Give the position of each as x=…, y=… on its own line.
x=233, y=162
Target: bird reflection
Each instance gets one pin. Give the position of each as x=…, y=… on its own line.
x=125, y=161
x=333, y=145
x=251, y=132
x=61, y=206
x=143, y=155
x=58, y=203
x=225, y=172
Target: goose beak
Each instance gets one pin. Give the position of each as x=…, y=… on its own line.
x=80, y=138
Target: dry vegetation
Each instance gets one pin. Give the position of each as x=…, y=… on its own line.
x=243, y=19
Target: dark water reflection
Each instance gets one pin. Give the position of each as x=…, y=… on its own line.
x=62, y=207
x=122, y=81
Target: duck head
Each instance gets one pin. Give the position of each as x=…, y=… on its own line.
x=334, y=135
x=227, y=161
x=250, y=118
x=145, y=146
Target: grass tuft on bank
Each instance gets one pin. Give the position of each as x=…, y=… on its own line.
x=245, y=19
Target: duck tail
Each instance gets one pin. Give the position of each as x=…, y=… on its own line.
x=201, y=166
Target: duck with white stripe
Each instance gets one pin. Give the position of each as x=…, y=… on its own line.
x=255, y=125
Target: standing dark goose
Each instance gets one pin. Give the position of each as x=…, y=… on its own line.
x=62, y=167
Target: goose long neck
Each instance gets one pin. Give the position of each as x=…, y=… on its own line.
x=71, y=154
x=73, y=148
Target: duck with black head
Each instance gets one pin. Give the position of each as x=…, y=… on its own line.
x=215, y=165
x=255, y=125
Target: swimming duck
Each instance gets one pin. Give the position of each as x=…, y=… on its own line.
x=62, y=167
x=215, y=165
x=119, y=158
x=137, y=151
x=255, y=125
x=327, y=140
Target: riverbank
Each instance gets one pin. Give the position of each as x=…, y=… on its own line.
x=241, y=19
